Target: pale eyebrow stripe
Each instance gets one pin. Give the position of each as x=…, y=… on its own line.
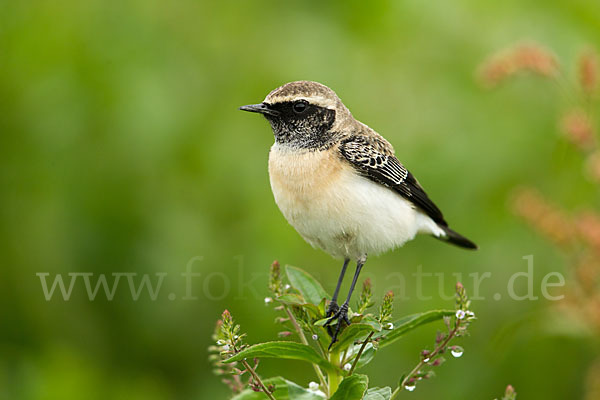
x=316, y=100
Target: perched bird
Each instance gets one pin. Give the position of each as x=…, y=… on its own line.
x=339, y=184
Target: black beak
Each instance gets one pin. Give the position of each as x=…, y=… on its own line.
x=262, y=108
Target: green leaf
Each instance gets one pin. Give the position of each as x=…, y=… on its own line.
x=309, y=287
x=376, y=393
x=409, y=323
x=369, y=319
x=283, y=350
x=351, y=333
x=322, y=305
x=352, y=387
x=297, y=392
x=281, y=390
x=323, y=335
x=297, y=300
x=292, y=299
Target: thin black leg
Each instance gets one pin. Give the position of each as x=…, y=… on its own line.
x=342, y=313
x=359, y=265
x=333, y=306
x=340, y=279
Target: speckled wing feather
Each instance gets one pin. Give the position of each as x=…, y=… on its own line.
x=373, y=157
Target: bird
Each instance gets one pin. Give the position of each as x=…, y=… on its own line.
x=340, y=185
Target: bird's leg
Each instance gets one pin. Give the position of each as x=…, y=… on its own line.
x=342, y=313
x=333, y=306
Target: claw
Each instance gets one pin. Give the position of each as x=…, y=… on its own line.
x=334, y=337
x=341, y=314
x=346, y=320
x=332, y=309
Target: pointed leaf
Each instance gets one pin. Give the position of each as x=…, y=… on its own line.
x=281, y=390
x=297, y=392
x=297, y=300
x=283, y=350
x=309, y=287
x=352, y=387
x=322, y=305
x=377, y=393
x=291, y=298
x=369, y=319
x=409, y=323
x=322, y=336
x=351, y=333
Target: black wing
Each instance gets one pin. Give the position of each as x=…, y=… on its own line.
x=372, y=157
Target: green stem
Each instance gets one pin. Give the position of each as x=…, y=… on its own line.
x=304, y=341
x=333, y=377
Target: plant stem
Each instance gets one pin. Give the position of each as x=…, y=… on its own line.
x=304, y=341
x=395, y=393
x=435, y=352
x=360, y=351
x=257, y=380
x=332, y=376
x=253, y=373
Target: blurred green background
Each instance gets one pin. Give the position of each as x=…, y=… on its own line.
x=122, y=150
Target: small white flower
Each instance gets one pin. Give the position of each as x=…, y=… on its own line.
x=220, y=342
x=268, y=300
x=389, y=326
x=315, y=337
x=410, y=387
x=347, y=367
x=313, y=387
x=470, y=314
x=460, y=314
x=287, y=286
x=456, y=351
x=226, y=347
x=426, y=359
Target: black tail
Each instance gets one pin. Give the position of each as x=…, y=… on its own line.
x=456, y=239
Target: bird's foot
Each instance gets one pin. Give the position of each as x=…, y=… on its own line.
x=332, y=309
x=339, y=314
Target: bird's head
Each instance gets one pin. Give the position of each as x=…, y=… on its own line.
x=303, y=114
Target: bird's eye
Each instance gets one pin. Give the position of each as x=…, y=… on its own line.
x=300, y=106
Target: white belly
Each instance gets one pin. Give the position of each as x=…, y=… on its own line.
x=339, y=211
